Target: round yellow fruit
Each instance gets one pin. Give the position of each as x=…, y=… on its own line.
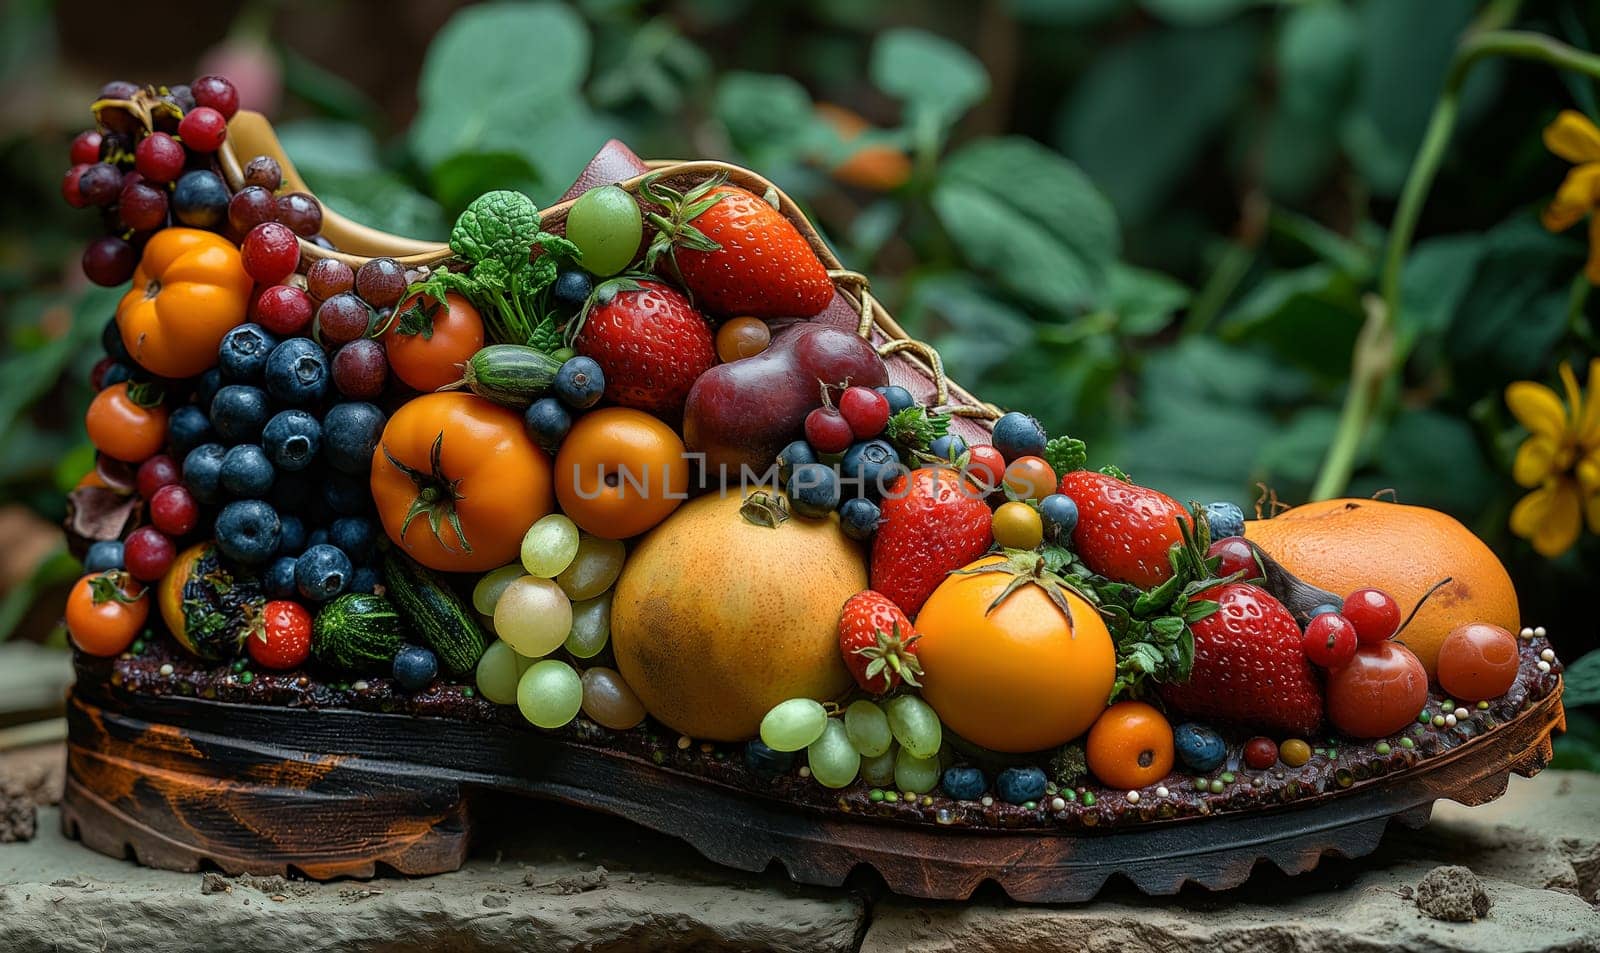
x=717, y=616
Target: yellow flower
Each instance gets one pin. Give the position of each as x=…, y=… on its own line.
x=1574, y=137
x=1560, y=461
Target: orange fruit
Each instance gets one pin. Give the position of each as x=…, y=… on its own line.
x=1020, y=678
x=620, y=471
x=1130, y=746
x=1478, y=662
x=1345, y=545
x=719, y=616
x=880, y=168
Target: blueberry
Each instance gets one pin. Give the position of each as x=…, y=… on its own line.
x=859, y=518
x=1199, y=747
x=547, y=422
x=415, y=667
x=346, y=495
x=1323, y=609
x=111, y=341
x=116, y=374
x=365, y=579
x=317, y=537
x=948, y=447
x=1060, y=516
x=814, y=490
x=354, y=535
x=291, y=439
x=870, y=468
x=794, y=455
x=238, y=412
x=572, y=289
x=1019, y=785
x=248, y=531
x=766, y=763
x=350, y=432
x=205, y=389
x=297, y=372
x=964, y=783
x=200, y=199
x=292, y=536
x=246, y=472
x=187, y=428
x=898, y=397
x=1018, y=435
x=292, y=492
x=103, y=554
x=243, y=353
x=580, y=382
x=322, y=572
x=202, y=472
x=1225, y=519
x=279, y=577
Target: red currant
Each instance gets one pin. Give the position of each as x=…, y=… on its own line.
x=1374, y=613
x=284, y=639
x=155, y=473
x=986, y=463
x=271, y=252
x=217, y=93
x=69, y=187
x=159, y=157
x=203, y=129
x=148, y=552
x=1260, y=753
x=827, y=431
x=282, y=309
x=173, y=510
x=1330, y=640
x=1236, y=556
x=865, y=410
x=86, y=147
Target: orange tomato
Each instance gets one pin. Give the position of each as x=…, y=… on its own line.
x=1379, y=692
x=430, y=357
x=189, y=290
x=122, y=427
x=458, y=482
x=1478, y=661
x=105, y=611
x=1030, y=478
x=620, y=472
x=1023, y=677
x=1130, y=746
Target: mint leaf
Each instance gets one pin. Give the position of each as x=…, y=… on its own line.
x=1065, y=454
x=498, y=226
x=1112, y=470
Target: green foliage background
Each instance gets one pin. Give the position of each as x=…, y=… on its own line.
x=1154, y=224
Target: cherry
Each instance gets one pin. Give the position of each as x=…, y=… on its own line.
x=159, y=158
x=1478, y=661
x=282, y=309
x=251, y=206
x=1379, y=693
x=343, y=318
x=986, y=463
x=1260, y=753
x=86, y=147
x=827, y=431
x=1374, y=613
x=360, y=369
x=865, y=410
x=173, y=510
x=381, y=282
x=148, y=552
x=300, y=212
x=143, y=208
x=203, y=129
x=217, y=93
x=155, y=473
x=327, y=277
x=1236, y=555
x=109, y=261
x=100, y=184
x=70, y=189
x=1330, y=640
x=265, y=172
x=270, y=252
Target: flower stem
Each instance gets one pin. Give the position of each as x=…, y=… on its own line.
x=1377, y=358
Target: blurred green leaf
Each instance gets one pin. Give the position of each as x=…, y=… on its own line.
x=55, y=569
x=1515, y=309
x=1582, y=681
x=1317, y=51
x=458, y=180
x=936, y=79
x=380, y=200
x=1308, y=316
x=1144, y=301
x=1436, y=278
x=1146, y=109
x=331, y=93
x=28, y=373
x=1289, y=461
x=1197, y=12
x=1032, y=219
x=1429, y=458
x=1067, y=12
x=767, y=116
x=657, y=65
x=329, y=145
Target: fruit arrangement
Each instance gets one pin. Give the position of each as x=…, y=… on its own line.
x=621, y=472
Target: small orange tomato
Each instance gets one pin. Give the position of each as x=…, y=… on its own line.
x=1478, y=661
x=620, y=472
x=127, y=423
x=428, y=342
x=1017, y=526
x=189, y=290
x=742, y=337
x=1030, y=478
x=1130, y=746
x=105, y=611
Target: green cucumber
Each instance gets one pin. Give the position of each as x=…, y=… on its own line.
x=357, y=631
x=434, y=612
x=510, y=374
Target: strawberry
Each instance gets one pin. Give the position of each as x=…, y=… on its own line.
x=1249, y=668
x=735, y=252
x=878, y=643
x=282, y=636
x=1124, y=531
x=649, y=341
x=934, y=520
